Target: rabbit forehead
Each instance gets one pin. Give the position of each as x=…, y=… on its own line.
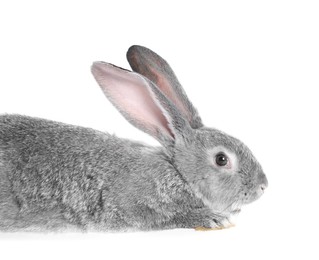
x=211, y=138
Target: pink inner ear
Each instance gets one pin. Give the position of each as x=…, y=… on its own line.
x=131, y=94
x=164, y=85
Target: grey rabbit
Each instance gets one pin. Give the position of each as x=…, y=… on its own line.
x=55, y=176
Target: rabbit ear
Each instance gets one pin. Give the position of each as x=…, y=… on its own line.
x=140, y=102
x=156, y=69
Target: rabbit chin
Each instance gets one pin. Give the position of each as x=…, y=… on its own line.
x=231, y=218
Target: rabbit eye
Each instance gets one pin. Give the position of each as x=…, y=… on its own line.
x=221, y=159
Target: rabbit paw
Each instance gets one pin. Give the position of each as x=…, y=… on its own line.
x=216, y=225
x=213, y=228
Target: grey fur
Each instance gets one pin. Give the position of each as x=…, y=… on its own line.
x=55, y=176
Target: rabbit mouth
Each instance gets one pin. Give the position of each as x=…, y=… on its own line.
x=235, y=211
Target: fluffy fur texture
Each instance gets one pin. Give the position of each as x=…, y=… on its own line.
x=55, y=176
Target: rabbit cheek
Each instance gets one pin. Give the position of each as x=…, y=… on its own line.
x=224, y=193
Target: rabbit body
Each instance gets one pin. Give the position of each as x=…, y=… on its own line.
x=55, y=175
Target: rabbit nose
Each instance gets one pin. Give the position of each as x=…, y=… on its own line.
x=263, y=182
x=262, y=187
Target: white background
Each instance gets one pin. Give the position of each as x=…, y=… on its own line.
x=251, y=69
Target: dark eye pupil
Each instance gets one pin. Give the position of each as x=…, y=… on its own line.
x=221, y=159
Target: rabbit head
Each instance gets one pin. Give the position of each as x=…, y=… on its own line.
x=219, y=168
